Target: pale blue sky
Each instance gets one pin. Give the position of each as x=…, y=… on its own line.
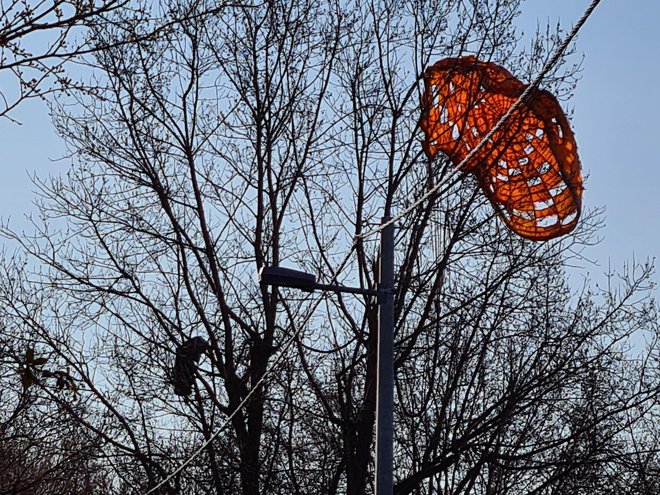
x=616, y=107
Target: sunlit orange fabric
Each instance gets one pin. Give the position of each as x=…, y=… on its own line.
x=530, y=169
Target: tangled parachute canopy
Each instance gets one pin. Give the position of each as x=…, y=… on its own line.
x=529, y=169
x=188, y=355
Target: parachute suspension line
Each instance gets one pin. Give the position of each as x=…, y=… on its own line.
x=441, y=234
x=437, y=239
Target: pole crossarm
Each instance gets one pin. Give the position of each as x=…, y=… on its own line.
x=294, y=279
x=349, y=290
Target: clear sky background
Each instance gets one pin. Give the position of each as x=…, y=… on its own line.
x=616, y=111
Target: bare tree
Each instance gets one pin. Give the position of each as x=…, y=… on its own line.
x=278, y=135
x=43, y=449
x=37, y=38
x=41, y=40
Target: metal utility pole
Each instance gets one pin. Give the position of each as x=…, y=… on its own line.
x=287, y=277
x=385, y=378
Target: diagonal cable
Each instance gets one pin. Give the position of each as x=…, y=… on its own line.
x=548, y=66
x=534, y=84
x=254, y=388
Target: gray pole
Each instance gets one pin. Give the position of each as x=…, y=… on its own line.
x=385, y=379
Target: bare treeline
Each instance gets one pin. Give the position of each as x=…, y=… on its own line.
x=278, y=133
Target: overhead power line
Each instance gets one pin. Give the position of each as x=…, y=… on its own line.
x=254, y=388
x=534, y=84
x=544, y=71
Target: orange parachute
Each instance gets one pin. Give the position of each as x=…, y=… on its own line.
x=529, y=169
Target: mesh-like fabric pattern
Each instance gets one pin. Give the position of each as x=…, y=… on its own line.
x=529, y=169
